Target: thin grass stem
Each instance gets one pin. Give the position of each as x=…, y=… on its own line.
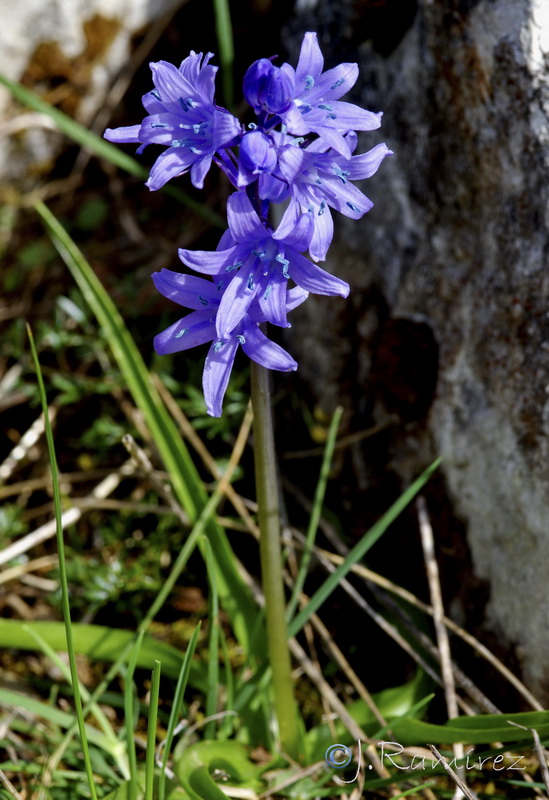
x=63, y=571
x=151, y=731
x=133, y=787
x=176, y=709
x=224, y=31
x=213, y=647
x=315, y=512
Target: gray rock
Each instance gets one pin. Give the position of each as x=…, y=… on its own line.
x=459, y=239
x=80, y=45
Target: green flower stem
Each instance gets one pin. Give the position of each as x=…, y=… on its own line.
x=271, y=563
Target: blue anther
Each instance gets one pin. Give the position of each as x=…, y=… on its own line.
x=252, y=126
x=250, y=282
x=219, y=286
x=218, y=345
x=233, y=266
x=322, y=208
x=341, y=173
x=268, y=291
x=332, y=116
x=337, y=83
x=241, y=339
x=154, y=93
x=159, y=125
x=181, y=333
x=309, y=82
x=325, y=107
x=203, y=300
x=285, y=264
x=259, y=253
x=183, y=103
x=353, y=207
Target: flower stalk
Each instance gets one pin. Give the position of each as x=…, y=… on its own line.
x=271, y=563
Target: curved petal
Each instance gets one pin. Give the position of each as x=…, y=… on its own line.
x=244, y=223
x=295, y=297
x=190, y=331
x=366, y=164
x=237, y=298
x=310, y=64
x=347, y=116
x=336, y=82
x=272, y=300
x=226, y=129
x=170, y=83
x=199, y=170
x=323, y=233
x=127, y=135
x=333, y=138
x=160, y=129
x=289, y=220
x=300, y=234
x=346, y=198
x=209, y=262
x=217, y=371
x=169, y=165
x=315, y=280
x=189, y=291
x=292, y=160
x=152, y=104
x=264, y=352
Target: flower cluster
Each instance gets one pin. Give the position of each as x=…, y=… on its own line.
x=299, y=151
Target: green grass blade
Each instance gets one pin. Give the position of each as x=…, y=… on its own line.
x=227, y=725
x=224, y=31
x=55, y=716
x=100, y=643
x=63, y=570
x=133, y=787
x=315, y=512
x=191, y=494
x=176, y=709
x=102, y=148
x=213, y=648
x=359, y=550
x=115, y=750
x=151, y=731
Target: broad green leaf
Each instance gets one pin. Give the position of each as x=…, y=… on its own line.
x=101, y=644
x=195, y=765
x=11, y=699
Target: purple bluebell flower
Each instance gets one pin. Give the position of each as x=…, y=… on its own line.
x=184, y=118
x=198, y=327
x=258, y=262
x=257, y=155
x=316, y=181
x=316, y=107
x=267, y=88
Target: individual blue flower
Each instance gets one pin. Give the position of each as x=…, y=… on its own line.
x=184, y=118
x=316, y=107
x=257, y=155
x=316, y=181
x=268, y=88
x=199, y=327
x=258, y=262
